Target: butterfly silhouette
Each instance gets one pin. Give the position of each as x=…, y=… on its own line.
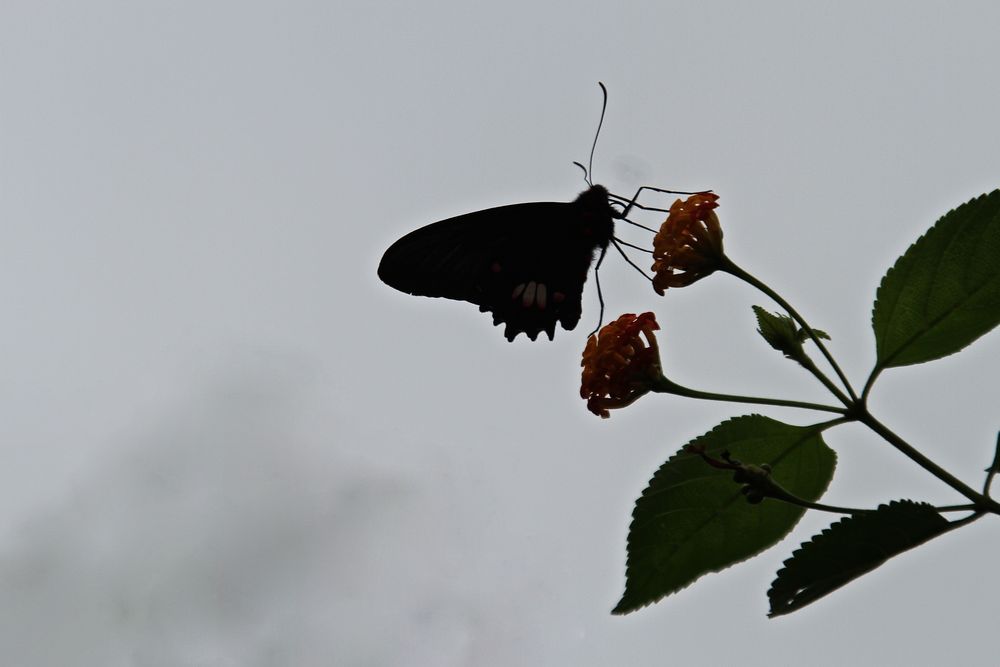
x=525, y=263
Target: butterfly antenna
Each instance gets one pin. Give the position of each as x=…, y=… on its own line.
x=600, y=296
x=627, y=259
x=589, y=170
x=600, y=124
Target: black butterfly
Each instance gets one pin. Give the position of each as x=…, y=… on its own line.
x=525, y=263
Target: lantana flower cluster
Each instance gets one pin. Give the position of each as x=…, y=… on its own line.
x=620, y=363
x=688, y=246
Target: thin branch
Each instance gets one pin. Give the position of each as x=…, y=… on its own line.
x=980, y=500
x=993, y=469
x=665, y=386
x=736, y=271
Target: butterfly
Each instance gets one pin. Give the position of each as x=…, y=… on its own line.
x=524, y=263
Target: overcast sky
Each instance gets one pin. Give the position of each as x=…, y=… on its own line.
x=225, y=443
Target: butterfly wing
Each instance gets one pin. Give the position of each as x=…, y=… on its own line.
x=525, y=263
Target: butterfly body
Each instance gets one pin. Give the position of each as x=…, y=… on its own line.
x=525, y=263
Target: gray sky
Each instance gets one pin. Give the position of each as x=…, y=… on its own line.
x=224, y=442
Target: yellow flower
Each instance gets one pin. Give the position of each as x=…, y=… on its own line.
x=618, y=365
x=688, y=246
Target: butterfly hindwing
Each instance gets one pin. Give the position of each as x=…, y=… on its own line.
x=524, y=263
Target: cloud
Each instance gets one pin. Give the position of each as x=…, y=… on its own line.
x=223, y=535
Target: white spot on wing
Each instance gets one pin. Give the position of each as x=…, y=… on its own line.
x=529, y=295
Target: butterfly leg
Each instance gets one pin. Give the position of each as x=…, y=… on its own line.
x=634, y=202
x=600, y=296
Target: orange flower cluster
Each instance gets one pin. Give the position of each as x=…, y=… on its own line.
x=618, y=365
x=688, y=246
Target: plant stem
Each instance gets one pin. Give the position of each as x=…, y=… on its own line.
x=729, y=267
x=795, y=500
x=780, y=493
x=994, y=468
x=665, y=386
x=968, y=507
x=870, y=383
x=979, y=500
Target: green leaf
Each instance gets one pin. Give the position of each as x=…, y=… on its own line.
x=692, y=518
x=850, y=548
x=944, y=292
x=781, y=333
x=819, y=333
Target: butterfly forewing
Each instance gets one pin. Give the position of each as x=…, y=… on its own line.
x=525, y=263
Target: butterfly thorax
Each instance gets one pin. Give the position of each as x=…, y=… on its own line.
x=596, y=215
